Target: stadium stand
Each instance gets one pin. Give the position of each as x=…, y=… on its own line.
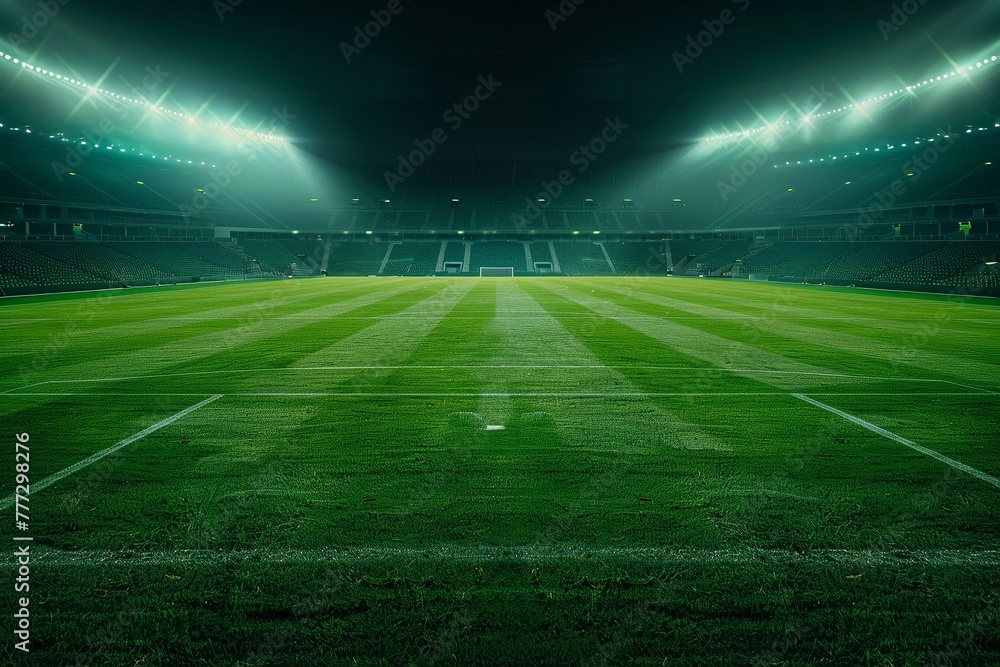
x=715, y=259
x=871, y=259
x=798, y=259
x=583, y=220
x=540, y=253
x=648, y=220
x=356, y=259
x=455, y=253
x=498, y=254
x=412, y=219
x=413, y=259
x=171, y=258
x=582, y=259
x=626, y=220
x=685, y=251
x=275, y=258
x=959, y=263
x=131, y=224
x=100, y=260
x=460, y=218
x=20, y=267
x=637, y=259
x=219, y=256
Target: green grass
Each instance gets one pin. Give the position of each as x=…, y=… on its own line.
x=657, y=495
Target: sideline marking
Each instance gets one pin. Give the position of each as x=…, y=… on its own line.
x=49, y=481
x=903, y=441
x=436, y=394
x=700, y=369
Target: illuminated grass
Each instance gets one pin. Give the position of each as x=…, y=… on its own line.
x=656, y=495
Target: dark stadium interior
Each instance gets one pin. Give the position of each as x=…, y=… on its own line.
x=359, y=162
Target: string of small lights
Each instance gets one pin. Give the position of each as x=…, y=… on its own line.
x=861, y=152
x=89, y=147
x=123, y=99
x=889, y=95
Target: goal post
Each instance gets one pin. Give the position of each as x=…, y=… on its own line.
x=496, y=272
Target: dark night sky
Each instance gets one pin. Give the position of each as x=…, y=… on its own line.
x=606, y=59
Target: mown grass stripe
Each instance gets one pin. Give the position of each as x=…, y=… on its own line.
x=732, y=556
x=713, y=349
x=897, y=347
x=686, y=369
x=259, y=323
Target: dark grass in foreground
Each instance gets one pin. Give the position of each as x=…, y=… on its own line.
x=657, y=495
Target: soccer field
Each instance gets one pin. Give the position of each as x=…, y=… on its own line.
x=515, y=471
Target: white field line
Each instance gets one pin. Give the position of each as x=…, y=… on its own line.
x=571, y=316
x=989, y=479
x=572, y=394
x=740, y=556
x=492, y=315
x=49, y=481
x=705, y=369
x=969, y=386
x=28, y=386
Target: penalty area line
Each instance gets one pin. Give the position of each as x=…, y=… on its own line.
x=958, y=465
x=708, y=369
x=94, y=458
x=438, y=394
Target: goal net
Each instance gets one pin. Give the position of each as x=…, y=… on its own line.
x=496, y=272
